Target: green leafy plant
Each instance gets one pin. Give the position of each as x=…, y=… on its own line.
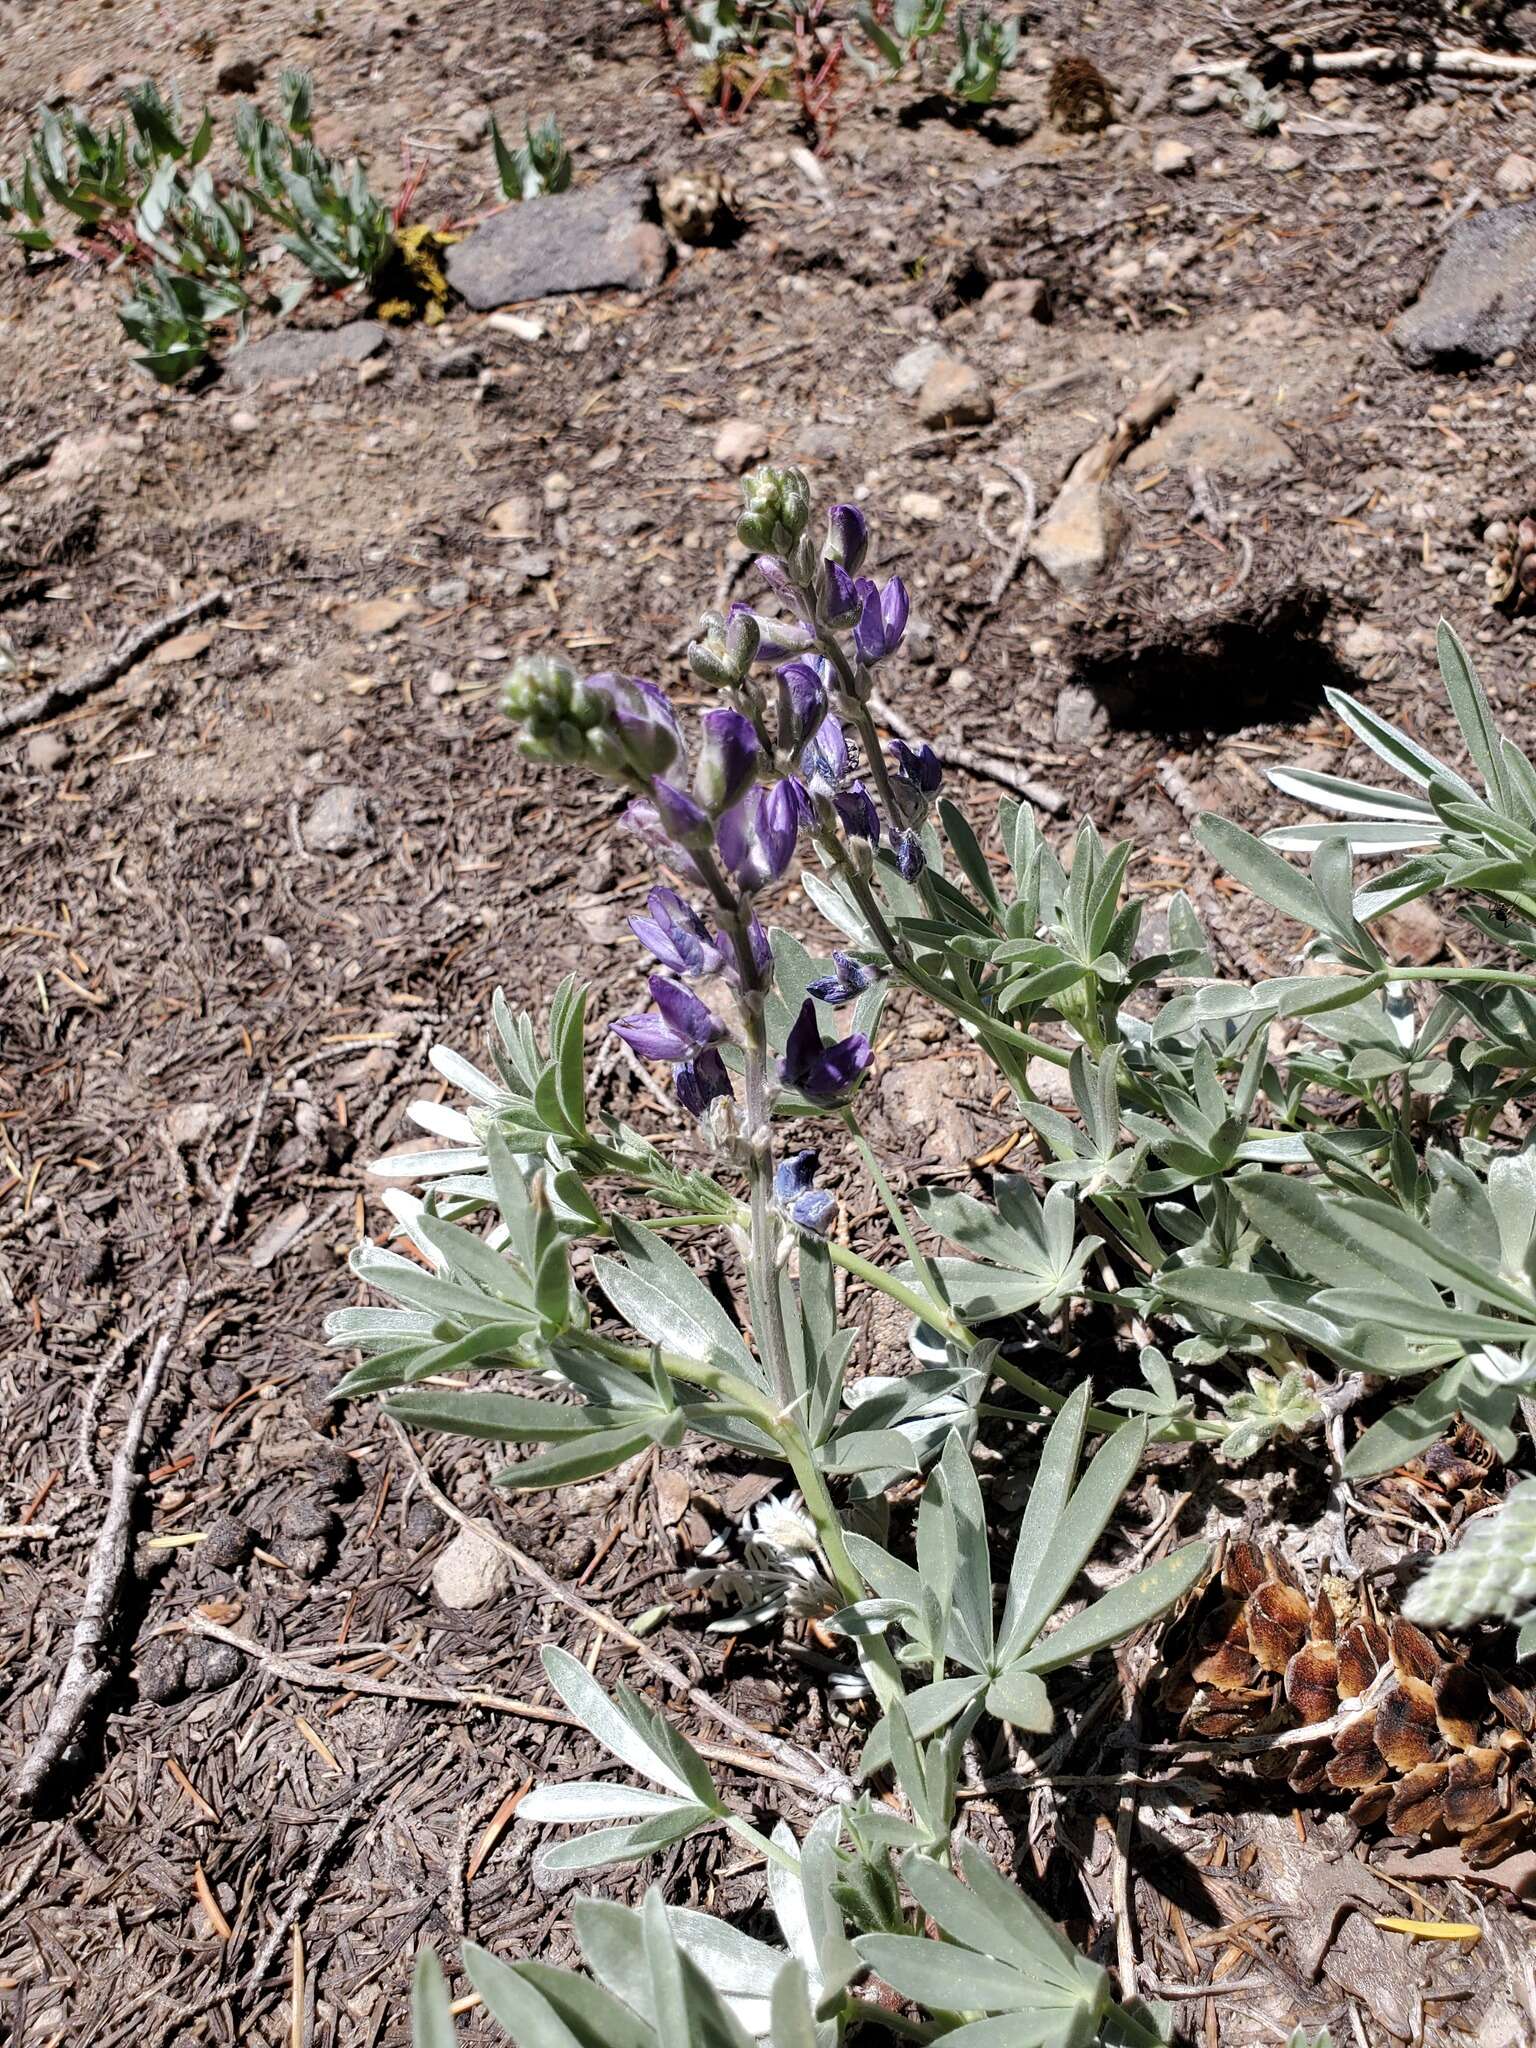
x=1490, y=1574
x=985, y=48
x=330, y=219
x=140, y=193
x=540, y=164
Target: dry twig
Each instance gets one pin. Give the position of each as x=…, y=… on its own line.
x=57, y=697
x=809, y=1772
x=89, y=1669
x=1040, y=794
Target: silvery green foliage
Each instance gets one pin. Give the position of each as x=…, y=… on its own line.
x=330, y=219
x=541, y=163
x=1260, y=110
x=1489, y=1573
x=940, y=1612
x=669, y=1977
x=985, y=48
x=144, y=188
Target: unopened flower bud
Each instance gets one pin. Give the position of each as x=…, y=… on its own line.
x=840, y=601
x=538, y=684
x=728, y=760
x=847, y=537
x=777, y=510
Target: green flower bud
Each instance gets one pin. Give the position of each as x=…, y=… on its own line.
x=777, y=510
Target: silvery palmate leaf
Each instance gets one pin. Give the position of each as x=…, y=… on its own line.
x=940, y=1613
x=645, y=1741
x=1023, y=1253
x=1003, y=1958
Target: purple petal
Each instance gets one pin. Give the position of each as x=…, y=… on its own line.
x=869, y=632
x=728, y=759
x=702, y=1081
x=847, y=536
x=684, y=821
x=651, y=1037
x=894, y=606
x=693, y=1021
x=802, y=704
x=856, y=808
x=814, y=1211
x=794, y=1175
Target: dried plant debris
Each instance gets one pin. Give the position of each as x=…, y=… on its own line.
x=1422, y=1737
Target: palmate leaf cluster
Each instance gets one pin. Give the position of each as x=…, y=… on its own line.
x=1315, y=1193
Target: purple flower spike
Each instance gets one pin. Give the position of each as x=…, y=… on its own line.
x=802, y=703
x=851, y=979
x=882, y=618
x=677, y=935
x=847, y=537
x=757, y=837
x=728, y=760
x=651, y=1037
x=920, y=766
x=823, y=1073
x=702, y=1081
x=684, y=821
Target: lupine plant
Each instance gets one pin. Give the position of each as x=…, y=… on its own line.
x=1313, y=1192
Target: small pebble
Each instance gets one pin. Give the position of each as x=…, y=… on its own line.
x=1172, y=158
x=243, y=422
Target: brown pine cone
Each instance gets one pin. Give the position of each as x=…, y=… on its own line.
x=1078, y=97
x=1435, y=1748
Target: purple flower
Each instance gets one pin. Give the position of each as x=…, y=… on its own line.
x=910, y=857
x=778, y=639
x=856, y=808
x=756, y=837
x=677, y=935
x=728, y=760
x=824, y=1073
x=685, y=821
x=851, y=979
x=701, y=1081
x=919, y=765
x=794, y=1175
x=644, y=820
x=883, y=619
x=847, y=537
x=778, y=580
x=638, y=723
x=802, y=703
x=794, y=1192
x=840, y=599
x=826, y=762
x=684, y=1028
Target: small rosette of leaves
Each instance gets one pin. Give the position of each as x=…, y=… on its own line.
x=330, y=219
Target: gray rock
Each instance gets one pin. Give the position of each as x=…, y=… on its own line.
x=1079, y=720
x=919, y=1096
x=338, y=820
x=47, y=752
x=302, y=352
x=597, y=239
x=471, y=1572
x=909, y=372
x=1480, y=298
x=1216, y=439
x=1079, y=537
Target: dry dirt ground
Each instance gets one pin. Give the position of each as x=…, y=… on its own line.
x=246, y=888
